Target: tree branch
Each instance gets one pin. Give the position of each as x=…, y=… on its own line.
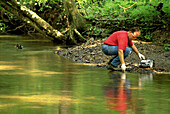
x=77, y=32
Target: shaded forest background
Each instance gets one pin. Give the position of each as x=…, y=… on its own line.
x=100, y=18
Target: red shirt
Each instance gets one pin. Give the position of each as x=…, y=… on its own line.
x=120, y=39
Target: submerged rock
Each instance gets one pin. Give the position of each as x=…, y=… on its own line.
x=18, y=46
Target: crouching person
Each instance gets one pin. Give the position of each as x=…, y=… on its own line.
x=120, y=44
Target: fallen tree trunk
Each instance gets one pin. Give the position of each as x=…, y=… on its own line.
x=31, y=18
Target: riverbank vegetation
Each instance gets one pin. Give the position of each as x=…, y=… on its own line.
x=68, y=21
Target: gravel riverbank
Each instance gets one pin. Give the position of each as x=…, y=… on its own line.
x=91, y=54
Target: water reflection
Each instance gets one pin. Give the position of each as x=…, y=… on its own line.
x=118, y=92
x=145, y=78
x=34, y=80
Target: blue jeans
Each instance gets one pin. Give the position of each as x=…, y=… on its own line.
x=113, y=50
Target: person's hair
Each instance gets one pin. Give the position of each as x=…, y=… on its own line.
x=134, y=29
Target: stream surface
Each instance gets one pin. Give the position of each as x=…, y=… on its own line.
x=34, y=80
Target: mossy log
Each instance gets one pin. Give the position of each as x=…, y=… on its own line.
x=31, y=18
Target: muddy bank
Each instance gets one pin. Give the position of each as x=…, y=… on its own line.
x=91, y=54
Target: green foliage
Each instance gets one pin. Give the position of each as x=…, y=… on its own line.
x=142, y=13
x=25, y=2
x=145, y=13
x=2, y=27
x=42, y=4
x=167, y=47
x=106, y=16
x=51, y=11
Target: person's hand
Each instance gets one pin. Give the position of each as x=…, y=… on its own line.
x=123, y=76
x=123, y=66
x=141, y=56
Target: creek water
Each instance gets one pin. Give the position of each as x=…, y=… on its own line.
x=34, y=80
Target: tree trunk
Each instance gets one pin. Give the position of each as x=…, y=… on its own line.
x=75, y=19
x=32, y=19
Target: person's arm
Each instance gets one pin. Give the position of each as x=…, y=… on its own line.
x=135, y=49
x=137, y=52
x=121, y=56
x=122, y=60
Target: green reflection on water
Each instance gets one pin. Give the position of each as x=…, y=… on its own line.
x=34, y=80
